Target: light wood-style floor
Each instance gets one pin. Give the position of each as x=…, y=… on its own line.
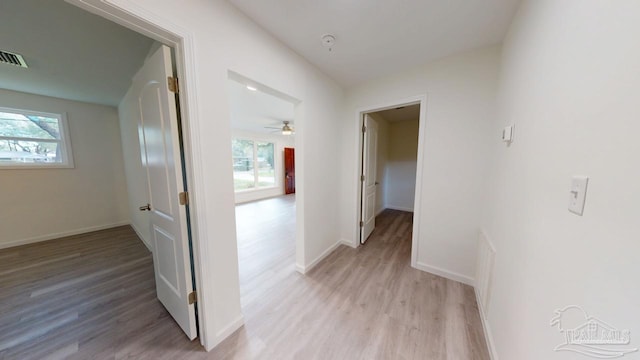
x=365, y=303
x=93, y=297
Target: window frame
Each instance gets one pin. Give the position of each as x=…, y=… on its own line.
x=64, y=142
x=256, y=175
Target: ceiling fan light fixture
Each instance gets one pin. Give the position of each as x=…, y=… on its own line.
x=286, y=130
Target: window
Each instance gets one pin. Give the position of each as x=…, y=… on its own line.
x=253, y=164
x=31, y=139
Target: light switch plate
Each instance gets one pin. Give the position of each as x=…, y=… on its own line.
x=507, y=134
x=577, y=194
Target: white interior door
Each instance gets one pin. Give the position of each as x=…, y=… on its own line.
x=369, y=184
x=168, y=220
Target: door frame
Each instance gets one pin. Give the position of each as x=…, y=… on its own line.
x=359, y=121
x=298, y=121
x=181, y=41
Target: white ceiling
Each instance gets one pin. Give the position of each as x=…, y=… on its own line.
x=71, y=53
x=375, y=38
x=404, y=113
x=80, y=56
x=254, y=110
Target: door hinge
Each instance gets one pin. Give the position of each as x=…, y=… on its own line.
x=184, y=198
x=364, y=128
x=362, y=178
x=361, y=223
x=172, y=82
x=193, y=298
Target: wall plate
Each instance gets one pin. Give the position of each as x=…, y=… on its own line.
x=578, y=194
x=507, y=134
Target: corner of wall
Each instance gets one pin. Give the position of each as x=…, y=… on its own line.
x=232, y=327
x=350, y=243
x=145, y=241
x=451, y=275
x=486, y=329
x=303, y=269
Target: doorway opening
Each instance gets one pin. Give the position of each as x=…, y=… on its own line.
x=263, y=141
x=181, y=42
x=390, y=159
x=97, y=176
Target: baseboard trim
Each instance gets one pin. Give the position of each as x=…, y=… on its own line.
x=227, y=331
x=493, y=354
x=260, y=198
x=144, y=241
x=305, y=269
x=348, y=243
x=53, y=236
x=399, y=208
x=445, y=273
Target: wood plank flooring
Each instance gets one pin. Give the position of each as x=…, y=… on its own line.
x=365, y=303
x=93, y=297
x=266, y=245
x=89, y=296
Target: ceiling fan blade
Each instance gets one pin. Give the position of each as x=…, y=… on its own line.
x=273, y=127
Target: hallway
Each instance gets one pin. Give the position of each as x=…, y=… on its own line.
x=96, y=295
x=365, y=303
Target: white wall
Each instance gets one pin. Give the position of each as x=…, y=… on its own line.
x=42, y=204
x=570, y=82
x=224, y=39
x=280, y=142
x=461, y=103
x=136, y=175
x=400, y=179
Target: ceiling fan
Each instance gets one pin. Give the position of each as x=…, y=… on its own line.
x=285, y=129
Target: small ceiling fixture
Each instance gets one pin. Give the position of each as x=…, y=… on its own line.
x=286, y=129
x=12, y=58
x=328, y=41
x=251, y=88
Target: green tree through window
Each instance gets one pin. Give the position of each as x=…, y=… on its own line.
x=253, y=164
x=31, y=139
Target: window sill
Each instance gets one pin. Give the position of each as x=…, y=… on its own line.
x=36, y=167
x=255, y=189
